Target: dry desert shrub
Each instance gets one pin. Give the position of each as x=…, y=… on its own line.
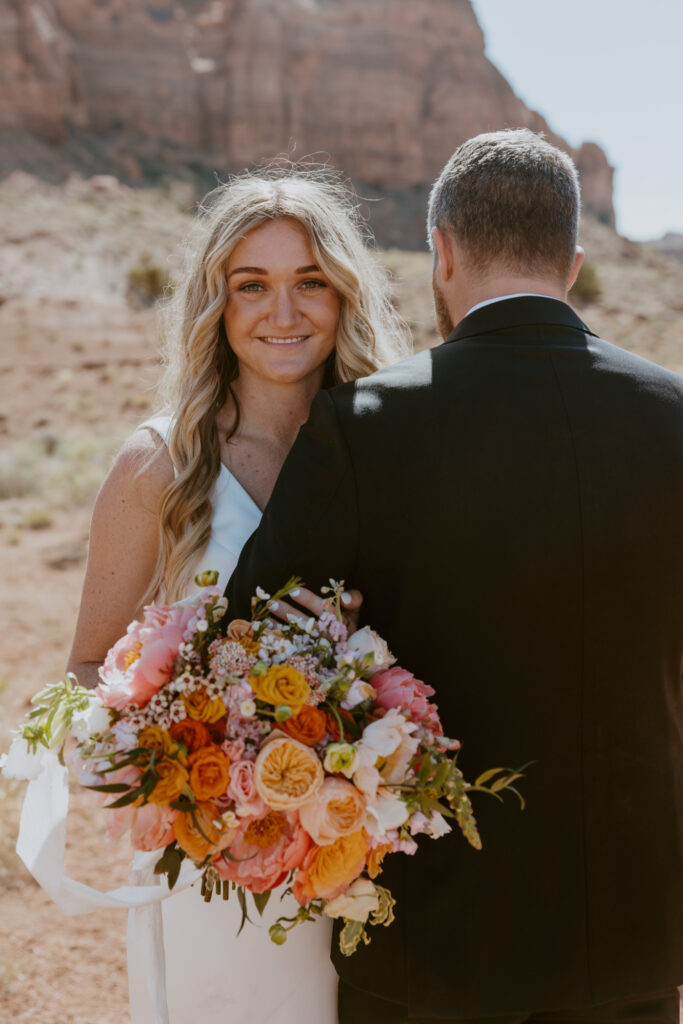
x=146, y=282
x=587, y=287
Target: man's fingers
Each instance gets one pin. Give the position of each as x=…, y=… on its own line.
x=351, y=600
x=313, y=603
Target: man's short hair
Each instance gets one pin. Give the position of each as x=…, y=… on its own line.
x=510, y=197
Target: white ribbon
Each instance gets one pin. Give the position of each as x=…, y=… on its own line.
x=41, y=846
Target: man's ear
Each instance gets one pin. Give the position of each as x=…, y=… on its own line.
x=576, y=266
x=443, y=245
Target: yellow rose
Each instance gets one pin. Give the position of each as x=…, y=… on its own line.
x=281, y=684
x=172, y=780
x=203, y=708
x=287, y=773
x=153, y=737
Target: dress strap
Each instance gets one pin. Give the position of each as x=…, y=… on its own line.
x=160, y=424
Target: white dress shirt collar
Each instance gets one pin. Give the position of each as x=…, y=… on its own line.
x=501, y=298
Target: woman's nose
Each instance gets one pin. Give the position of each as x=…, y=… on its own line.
x=285, y=313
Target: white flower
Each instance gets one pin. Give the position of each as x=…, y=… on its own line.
x=202, y=625
x=261, y=594
x=383, y=737
x=357, y=693
x=386, y=812
x=230, y=819
x=20, y=763
x=96, y=718
x=437, y=826
x=247, y=709
x=356, y=904
x=366, y=642
x=340, y=758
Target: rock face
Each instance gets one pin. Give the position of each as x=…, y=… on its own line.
x=385, y=88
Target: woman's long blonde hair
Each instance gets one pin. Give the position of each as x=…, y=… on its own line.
x=201, y=366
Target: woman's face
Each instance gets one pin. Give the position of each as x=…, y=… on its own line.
x=282, y=313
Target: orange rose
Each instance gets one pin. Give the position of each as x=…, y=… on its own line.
x=209, y=772
x=309, y=726
x=328, y=870
x=191, y=733
x=375, y=858
x=171, y=782
x=201, y=707
x=287, y=773
x=281, y=684
x=207, y=820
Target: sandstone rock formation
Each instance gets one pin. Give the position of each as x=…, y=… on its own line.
x=386, y=88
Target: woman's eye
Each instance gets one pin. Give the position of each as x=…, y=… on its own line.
x=252, y=286
x=313, y=283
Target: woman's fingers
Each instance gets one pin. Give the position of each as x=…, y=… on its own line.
x=308, y=604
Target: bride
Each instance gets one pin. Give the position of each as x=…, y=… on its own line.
x=281, y=297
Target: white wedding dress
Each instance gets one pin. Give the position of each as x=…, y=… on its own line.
x=212, y=975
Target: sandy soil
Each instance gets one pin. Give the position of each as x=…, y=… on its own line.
x=77, y=371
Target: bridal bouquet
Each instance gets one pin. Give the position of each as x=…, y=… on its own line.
x=267, y=753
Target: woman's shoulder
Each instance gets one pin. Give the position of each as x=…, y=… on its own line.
x=142, y=469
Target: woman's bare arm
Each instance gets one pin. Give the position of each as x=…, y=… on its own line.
x=122, y=552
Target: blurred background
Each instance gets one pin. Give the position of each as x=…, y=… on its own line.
x=115, y=117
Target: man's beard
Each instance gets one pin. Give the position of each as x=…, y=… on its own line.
x=443, y=318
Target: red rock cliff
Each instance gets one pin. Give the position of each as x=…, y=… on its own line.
x=387, y=88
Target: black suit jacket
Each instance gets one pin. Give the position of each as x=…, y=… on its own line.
x=511, y=506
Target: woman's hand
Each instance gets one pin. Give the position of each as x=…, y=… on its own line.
x=313, y=604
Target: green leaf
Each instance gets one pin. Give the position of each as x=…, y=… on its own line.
x=124, y=801
x=111, y=787
x=261, y=900
x=485, y=776
x=242, y=899
x=351, y=936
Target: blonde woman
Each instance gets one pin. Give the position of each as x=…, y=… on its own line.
x=281, y=298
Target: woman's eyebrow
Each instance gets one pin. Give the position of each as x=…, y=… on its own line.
x=249, y=270
x=308, y=270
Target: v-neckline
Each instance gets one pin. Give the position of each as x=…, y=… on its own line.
x=231, y=476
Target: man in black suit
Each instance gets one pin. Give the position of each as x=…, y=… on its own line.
x=511, y=506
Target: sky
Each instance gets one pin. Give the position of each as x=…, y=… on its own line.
x=605, y=71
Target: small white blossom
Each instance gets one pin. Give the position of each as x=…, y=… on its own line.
x=247, y=709
x=202, y=625
x=261, y=594
x=230, y=819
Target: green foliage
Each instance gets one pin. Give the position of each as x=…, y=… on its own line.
x=587, y=287
x=146, y=282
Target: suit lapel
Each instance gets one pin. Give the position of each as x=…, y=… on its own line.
x=526, y=311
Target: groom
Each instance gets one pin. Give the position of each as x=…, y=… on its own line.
x=511, y=506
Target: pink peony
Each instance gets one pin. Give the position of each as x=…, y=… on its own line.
x=243, y=790
x=266, y=849
x=139, y=664
x=397, y=688
x=152, y=828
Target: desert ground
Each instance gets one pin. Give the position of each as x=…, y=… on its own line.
x=79, y=359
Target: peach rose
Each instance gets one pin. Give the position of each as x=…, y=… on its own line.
x=237, y=629
x=327, y=870
x=203, y=708
x=191, y=733
x=281, y=684
x=308, y=726
x=172, y=780
x=267, y=849
x=287, y=773
x=152, y=828
x=205, y=835
x=337, y=809
x=209, y=772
